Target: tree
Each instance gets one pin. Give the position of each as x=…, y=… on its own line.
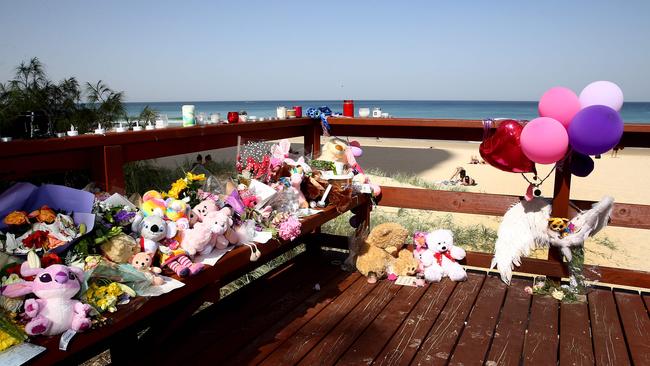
x=148, y=114
x=60, y=104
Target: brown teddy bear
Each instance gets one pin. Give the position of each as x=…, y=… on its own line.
x=378, y=253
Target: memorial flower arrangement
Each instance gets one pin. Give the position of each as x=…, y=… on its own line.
x=105, y=243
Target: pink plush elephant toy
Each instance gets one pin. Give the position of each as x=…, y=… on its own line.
x=54, y=311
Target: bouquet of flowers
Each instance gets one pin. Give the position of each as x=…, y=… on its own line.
x=187, y=188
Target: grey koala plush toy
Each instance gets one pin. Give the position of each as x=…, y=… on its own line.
x=153, y=229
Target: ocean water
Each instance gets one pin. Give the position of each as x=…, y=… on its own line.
x=632, y=112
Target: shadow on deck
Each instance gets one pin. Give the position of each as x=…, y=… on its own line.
x=283, y=320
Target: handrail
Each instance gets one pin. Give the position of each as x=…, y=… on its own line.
x=636, y=135
x=106, y=155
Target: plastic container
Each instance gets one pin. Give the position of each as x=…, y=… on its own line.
x=188, y=115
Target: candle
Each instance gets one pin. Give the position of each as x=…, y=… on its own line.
x=72, y=131
x=5, y=139
x=149, y=126
x=376, y=112
x=99, y=130
x=291, y=113
x=120, y=128
x=348, y=108
x=364, y=112
x=281, y=112
x=188, y=115
x=137, y=126
x=233, y=117
x=298, y=110
x=215, y=117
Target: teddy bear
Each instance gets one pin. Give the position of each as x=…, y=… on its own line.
x=404, y=265
x=143, y=262
x=208, y=234
x=378, y=252
x=153, y=203
x=55, y=310
x=201, y=210
x=120, y=248
x=439, y=257
x=152, y=229
x=177, y=211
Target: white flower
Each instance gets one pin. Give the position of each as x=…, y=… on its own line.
x=558, y=294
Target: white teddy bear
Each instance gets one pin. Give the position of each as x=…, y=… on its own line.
x=439, y=258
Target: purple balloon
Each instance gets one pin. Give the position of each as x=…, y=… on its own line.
x=595, y=130
x=581, y=165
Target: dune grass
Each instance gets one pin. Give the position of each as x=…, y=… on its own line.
x=473, y=237
x=415, y=180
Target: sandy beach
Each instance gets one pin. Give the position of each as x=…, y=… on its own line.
x=434, y=161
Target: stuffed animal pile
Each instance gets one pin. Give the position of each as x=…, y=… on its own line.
x=381, y=253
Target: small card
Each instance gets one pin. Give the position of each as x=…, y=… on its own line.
x=262, y=236
x=20, y=354
x=406, y=281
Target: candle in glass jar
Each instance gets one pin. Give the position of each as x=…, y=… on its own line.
x=376, y=112
x=348, y=108
x=291, y=113
x=188, y=115
x=281, y=112
x=298, y=110
x=233, y=117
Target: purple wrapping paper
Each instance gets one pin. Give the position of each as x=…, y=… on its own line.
x=28, y=197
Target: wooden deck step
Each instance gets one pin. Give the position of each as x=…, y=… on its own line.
x=508, y=341
x=332, y=346
x=478, y=322
x=297, y=346
x=636, y=325
x=575, y=335
x=374, y=338
x=541, y=343
x=410, y=335
x=270, y=339
x=609, y=342
x=439, y=343
x=473, y=344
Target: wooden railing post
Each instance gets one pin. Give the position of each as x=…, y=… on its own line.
x=312, y=140
x=113, y=163
x=561, y=195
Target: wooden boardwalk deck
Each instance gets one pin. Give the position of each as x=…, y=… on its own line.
x=283, y=320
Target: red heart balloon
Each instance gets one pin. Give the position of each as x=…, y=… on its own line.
x=502, y=149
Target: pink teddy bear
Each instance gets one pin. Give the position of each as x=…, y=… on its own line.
x=54, y=311
x=209, y=233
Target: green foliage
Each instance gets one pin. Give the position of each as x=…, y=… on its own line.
x=148, y=115
x=61, y=103
x=415, y=180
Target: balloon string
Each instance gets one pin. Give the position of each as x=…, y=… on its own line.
x=487, y=126
x=542, y=180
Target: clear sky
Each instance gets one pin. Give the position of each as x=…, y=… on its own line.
x=268, y=50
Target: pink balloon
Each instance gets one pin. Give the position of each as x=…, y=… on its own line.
x=544, y=140
x=602, y=93
x=560, y=104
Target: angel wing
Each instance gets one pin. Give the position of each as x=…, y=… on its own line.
x=523, y=229
x=587, y=224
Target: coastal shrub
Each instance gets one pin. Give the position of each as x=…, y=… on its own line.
x=476, y=237
x=56, y=106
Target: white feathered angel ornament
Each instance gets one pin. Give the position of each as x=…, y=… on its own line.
x=525, y=228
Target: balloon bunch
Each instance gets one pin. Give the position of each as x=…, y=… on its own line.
x=584, y=125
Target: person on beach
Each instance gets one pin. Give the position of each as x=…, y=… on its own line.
x=616, y=149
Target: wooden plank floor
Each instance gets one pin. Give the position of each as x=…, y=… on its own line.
x=347, y=321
